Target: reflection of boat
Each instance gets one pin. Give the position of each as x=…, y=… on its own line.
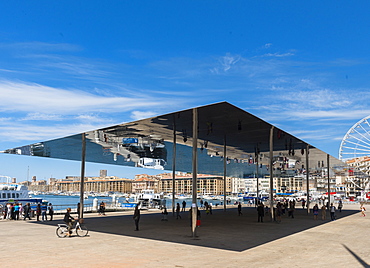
x=11, y=193
x=143, y=151
x=148, y=199
x=153, y=163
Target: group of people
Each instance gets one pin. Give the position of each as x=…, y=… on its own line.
x=16, y=211
x=44, y=210
x=12, y=211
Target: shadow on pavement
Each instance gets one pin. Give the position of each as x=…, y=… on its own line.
x=361, y=261
x=221, y=230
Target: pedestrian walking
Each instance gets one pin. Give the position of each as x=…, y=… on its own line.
x=136, y=217
x=43, y=212
x=323, y=212
x=363, y=209
x=332, y=212
x=315, y=211
x=291, y=209
x=303, y=203
x=183, y=205
x=38, y=212
x=260, y=212
x=340, y=205
x=278, y=212
x=102, y=209
x=240, y=209
x=178, y=211
x=164, y=214
x=16, y=211
x=51, y=211
x=27, y=211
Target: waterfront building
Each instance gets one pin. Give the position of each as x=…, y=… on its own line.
x=206, y=184
x=111, y=184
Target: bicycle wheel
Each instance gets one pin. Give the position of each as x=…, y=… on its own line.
x=62, y=231
x=81, y=230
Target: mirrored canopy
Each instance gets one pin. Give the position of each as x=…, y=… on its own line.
x=148, y=143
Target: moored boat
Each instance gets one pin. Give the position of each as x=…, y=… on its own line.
x=16, y=193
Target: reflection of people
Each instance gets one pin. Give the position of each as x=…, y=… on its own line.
x=137, y=217
x=68, y=219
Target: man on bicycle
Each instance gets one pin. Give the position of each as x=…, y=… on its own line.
x=69, y=220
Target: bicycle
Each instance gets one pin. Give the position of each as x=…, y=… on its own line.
x=81, y=230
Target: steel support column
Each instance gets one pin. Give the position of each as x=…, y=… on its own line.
x=308, y=179
x=194, y=208
x=225, y=173
x=257, y=181
x=173, y=166
x=82, y=181
x=328, y=162
x=271, y=173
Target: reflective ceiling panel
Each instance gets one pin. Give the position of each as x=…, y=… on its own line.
x=149, y=143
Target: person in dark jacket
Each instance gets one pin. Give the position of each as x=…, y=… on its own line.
x=261, y=212
x=51, y=211
x=27, y=211
x=38, y=212
x=137, y=217
x=69, y=220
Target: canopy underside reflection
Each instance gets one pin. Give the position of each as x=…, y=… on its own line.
x=148, y=143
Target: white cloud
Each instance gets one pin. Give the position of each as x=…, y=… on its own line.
x=278, y=55
x=225, y=63
x=25, y=97
x=23, y=132
x=41, y=116
x=137, y=115
x=40, y=46
x=268, y=45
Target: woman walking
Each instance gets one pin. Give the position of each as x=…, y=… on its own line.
x=323, y=212
x=363, y=209
x=137, y=217
x=178, y=211
x=315, y=210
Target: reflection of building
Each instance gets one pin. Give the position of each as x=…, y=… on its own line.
x=145, y=182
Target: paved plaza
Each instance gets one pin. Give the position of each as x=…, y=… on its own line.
x=223, y=240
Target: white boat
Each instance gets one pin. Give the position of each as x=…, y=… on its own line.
x=12, y=193
x=148, y=199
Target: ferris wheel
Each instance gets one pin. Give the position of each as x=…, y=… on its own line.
x=356, y=142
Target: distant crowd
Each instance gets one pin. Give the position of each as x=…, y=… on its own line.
x=18, y=211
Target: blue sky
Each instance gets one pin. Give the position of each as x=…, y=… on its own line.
x=73, y=66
